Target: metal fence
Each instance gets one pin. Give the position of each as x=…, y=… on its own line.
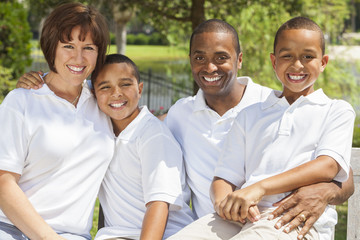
x=159, y=92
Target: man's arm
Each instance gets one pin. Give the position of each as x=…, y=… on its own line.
x=30, y=80
x=311, y=201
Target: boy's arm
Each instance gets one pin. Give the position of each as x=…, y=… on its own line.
x=20, y=211
x=219, y=189
x=155, y=220
x=30, y=80
x=322, y=169
x=312, y=201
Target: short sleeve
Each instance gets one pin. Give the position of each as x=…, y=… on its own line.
x=13, y=147
x=336, y=140
x=161, y=161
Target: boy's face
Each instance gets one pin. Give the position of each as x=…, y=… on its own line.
x=298, y=61
x=118, y=93
x=214, y=62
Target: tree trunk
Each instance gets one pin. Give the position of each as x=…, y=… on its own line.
x=121, y=18
x=120, y=34
x=197, y=16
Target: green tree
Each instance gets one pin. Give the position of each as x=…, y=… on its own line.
x=15, y=38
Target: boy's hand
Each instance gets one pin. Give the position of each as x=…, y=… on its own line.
x=30, y=80
x=239, y=205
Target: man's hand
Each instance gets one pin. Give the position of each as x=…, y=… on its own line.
x=306, y=204
x=30, y=80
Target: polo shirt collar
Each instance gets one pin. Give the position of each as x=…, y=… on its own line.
x=200, y=102
x=136, y=125
x=318, y=97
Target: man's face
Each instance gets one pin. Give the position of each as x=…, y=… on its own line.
x=214, y=62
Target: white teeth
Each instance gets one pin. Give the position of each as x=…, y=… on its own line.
x=117, y=105
x=76, y=69
x=212, y=79
x=296, y=77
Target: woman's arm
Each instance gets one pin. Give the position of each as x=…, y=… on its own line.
x=19, y=210
x=155, y=220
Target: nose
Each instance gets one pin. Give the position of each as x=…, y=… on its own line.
x=116, y=92
x=210, y=67
x=79, y=56
x=298, y=64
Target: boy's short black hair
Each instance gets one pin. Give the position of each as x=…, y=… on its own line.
x=301, y=23
x=219, y=26
x=117, y=58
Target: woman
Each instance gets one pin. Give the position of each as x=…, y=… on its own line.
x=55, y=144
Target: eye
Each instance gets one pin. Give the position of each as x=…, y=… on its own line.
x=199, y=58
x=126, y=84
x=68, y=46
x=89, y=48
x=104, y=88
x=308, y=57
x=222, y=58
x=285, y=56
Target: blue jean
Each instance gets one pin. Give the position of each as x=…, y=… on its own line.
x=10, y=232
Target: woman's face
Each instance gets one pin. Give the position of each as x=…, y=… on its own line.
x=75, y=60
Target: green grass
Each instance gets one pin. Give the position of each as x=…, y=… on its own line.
x=139, y=52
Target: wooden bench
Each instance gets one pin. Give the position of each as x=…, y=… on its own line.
x=353, y=219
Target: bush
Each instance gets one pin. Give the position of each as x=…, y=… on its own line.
x=141, y=39
x=15, y=36
x=6, y=83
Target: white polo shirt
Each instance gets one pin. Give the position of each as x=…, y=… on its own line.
x=61, y=152
x=200, y=132
x=272, y=137
x=147, y=166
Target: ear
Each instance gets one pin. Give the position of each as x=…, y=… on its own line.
x=239, y=60
x=324, y=62
x=273, y=60
x=141, y=86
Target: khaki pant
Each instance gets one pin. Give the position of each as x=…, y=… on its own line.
x=212, y=227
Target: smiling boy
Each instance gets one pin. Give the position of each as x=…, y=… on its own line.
x=141, y=194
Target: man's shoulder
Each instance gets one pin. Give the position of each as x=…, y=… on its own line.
x=182, y=106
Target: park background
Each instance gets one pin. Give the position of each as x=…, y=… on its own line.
x=155, y=34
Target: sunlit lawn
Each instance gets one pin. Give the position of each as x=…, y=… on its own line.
x=141, y=52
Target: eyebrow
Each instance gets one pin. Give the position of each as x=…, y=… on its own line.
x=288, y=49
x=203, y=52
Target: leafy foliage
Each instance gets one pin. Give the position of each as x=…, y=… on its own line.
x=15, y=38
x=5, y=82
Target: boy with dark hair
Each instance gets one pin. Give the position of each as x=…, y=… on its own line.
x=141, y=194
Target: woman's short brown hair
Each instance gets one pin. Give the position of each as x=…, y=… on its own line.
x=59, y=24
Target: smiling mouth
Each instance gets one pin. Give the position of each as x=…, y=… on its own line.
x=212, y=79
x=76, y=69
x=297, y=77
x=117, y=105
